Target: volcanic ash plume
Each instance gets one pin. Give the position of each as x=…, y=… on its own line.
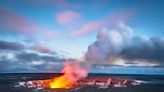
x=109, y=44
x=120, y=44
x=112, y=45
x=72, y=73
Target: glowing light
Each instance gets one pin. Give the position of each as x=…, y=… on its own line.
x=72, y=73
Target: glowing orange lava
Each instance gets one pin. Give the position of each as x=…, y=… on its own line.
x=72, y=73
x=61, y=82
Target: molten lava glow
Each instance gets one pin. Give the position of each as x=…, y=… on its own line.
x=61, y=82
x=72, y=73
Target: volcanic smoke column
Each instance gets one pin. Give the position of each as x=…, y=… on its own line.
x=72, y=73
x=109, y=44
x=119, y=44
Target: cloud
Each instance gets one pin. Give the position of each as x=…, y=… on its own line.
x=16, y=57
x=5, y=45
x=150, y=49
x=120, y=44
x=27, y=56
x=67, y=17
x=40, y=63
x=109, y=43
x=13, y=24
x=41, y=49
x=118, y=69
x=112, y=21
x=51, y=58
x=87, y=28
x=5, y=65
x=31, y=62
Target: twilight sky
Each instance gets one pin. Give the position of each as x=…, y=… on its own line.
x=38, y=35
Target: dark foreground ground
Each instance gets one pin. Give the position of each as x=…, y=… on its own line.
x=156, y=83
x=128, y=89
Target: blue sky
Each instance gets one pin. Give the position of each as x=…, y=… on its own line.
x=68, y=27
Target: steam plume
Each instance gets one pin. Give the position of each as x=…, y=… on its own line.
x=119, y=43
